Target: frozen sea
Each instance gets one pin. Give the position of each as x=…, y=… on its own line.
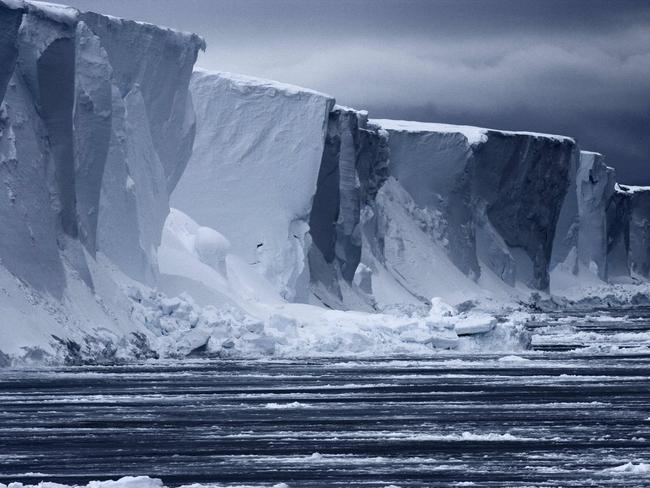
x=574, y=410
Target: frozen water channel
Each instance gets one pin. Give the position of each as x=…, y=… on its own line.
x=566, y=413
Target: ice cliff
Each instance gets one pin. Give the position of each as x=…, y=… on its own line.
x=603, y=231
x=298, y=227
x=497, y=195
x=636, y=201
x=95, y=128
x=253, y=172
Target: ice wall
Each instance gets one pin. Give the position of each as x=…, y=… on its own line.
x=618, y=235
x=639, y=228
x=149, y=139
x=254, y=168
x=595, y=187
x=499, y=194
x=103, y=105
x=95, y=126
x=334, y=218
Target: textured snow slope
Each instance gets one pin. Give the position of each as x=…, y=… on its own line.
x=254, y=168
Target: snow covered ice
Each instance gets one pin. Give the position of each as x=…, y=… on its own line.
x=154, y=209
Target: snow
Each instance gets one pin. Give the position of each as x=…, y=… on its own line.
x=13, y=4
x=631, y=188
x=473, y=135
x=283, y=329
x=56, y=12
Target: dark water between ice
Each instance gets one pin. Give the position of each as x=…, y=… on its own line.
x=557, y=419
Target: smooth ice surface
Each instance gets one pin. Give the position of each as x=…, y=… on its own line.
x=253, y=171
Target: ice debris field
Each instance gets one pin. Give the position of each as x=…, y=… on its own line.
x=150, y=209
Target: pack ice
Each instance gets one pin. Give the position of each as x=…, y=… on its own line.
x=299, y=227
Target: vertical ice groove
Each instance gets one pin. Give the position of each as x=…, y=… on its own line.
x=349, y=239
x=92, y=129
x=639, y=228
x=353, y=167
x=618, y=235
x=595, y=187
x=160, y=62
x=55, y=68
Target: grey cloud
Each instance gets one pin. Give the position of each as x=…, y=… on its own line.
x=578, y=67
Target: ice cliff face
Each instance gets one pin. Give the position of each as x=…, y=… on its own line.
x=281, y=196
x=95, y=127
x=253, y=171
x=497, y=194
x=353, y=168
x=637, y=200
x=595, y=187
x=603, y=232
x=94, y=97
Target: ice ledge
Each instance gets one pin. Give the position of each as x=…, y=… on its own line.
x=13, y=4
x=630, y=189
x=252, y=82
x=474, y=135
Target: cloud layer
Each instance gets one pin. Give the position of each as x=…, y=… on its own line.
x=576, y=67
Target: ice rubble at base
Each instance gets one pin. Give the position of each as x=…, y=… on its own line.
x=125, y=482
x=304, y=228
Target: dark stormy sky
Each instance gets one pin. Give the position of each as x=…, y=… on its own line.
x=574, y=67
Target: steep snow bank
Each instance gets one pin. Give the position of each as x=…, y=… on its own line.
x=254, y=168
x=497, y=194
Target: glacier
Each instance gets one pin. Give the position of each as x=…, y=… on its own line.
x=154, y=209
